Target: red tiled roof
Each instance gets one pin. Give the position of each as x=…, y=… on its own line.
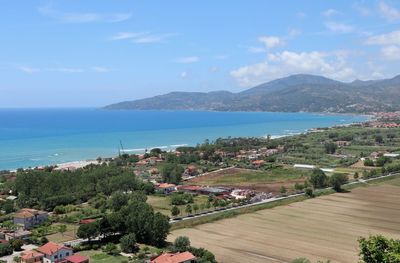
x=50, y=248
x=30, y=254
x=188, y=187
x=174, y=258
x=86, y=221
x=77, y=258
x=166, y=185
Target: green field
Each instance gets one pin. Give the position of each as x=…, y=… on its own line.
x=97, y=256
x=162, y=204
x=245, y=177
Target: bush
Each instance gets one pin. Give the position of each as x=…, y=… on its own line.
x=337, y=180
x=181, y=243
x=111, y=249
x=17, y=244
x=128, y=243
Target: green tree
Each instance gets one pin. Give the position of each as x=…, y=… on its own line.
x=182, y=243
x=337, y=180
x=62, y=229
x=111, y=249
x=118, y=200
x=330, y=147
x=195, y=208
x=378, y=249
x=88, y=231
x=128, y=243
x=188, y=209
x=378, y=138
x=175, y=211
x=356, y=175
x=160, y=229
x=368, y=162
x=282, y=189
x=17, y=244
x=318, y=179
x=309, y=192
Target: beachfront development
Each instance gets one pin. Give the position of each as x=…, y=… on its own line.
x=90, y=208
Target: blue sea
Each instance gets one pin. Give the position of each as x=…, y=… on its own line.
x=36, y=137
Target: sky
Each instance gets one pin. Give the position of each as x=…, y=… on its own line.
x=90, y=53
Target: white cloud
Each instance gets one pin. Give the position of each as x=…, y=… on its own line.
x=214, y=69
x=301, y=15
x=29, y=70
x=221, y=57
x=391, y=52
x=392, y=38
x=336, y=27
x=187, y=60
x=66, y=17
x=285, y=63
x=66, y=70
x=184, y=74
x=271, y=41
x=253, y=49
x=101, y=69
x=362, y=10
x=141, y=37
x=330, y=12
x=293, y=32
x=389, y=12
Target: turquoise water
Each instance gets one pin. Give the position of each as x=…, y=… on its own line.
x=34, y=137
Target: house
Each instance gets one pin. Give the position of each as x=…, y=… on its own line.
x=184, y=257
x=391, y=155
x=217, y=191
x=342, y=143
x=17, y=234
x=166, y=188
x=76, y=259
x=28, y=218
x=188, y=188
x=54, y=252
x=31, y=256
x=258, y=163
x=304, y=166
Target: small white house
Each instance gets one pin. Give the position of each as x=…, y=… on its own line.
x=304, y=166
x=391, y=155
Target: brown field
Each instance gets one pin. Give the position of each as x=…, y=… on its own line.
x=319, y=229
x=261, y=181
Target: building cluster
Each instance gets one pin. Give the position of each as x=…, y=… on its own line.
x=218, y=192
x=52, y=253
x=258, y=154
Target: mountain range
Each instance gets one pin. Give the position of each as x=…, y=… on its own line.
x=301, y=92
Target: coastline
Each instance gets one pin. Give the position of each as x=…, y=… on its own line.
x=279, y=128
x=76, y=164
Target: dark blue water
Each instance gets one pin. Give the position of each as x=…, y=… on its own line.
x=32, y=137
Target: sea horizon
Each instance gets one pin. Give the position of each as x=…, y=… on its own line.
x=49, y=136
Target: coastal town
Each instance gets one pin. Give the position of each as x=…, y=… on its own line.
x=179, y=186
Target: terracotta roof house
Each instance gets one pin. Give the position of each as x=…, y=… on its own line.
x=31, y=256
x=184, y=257
x=77, y=259
x=166, y=188
x=28, y=218
x=54, y=252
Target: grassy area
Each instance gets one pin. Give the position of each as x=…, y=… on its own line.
x=245, y=177
x=97, y=256
x=162, y=204
x=68, y=235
